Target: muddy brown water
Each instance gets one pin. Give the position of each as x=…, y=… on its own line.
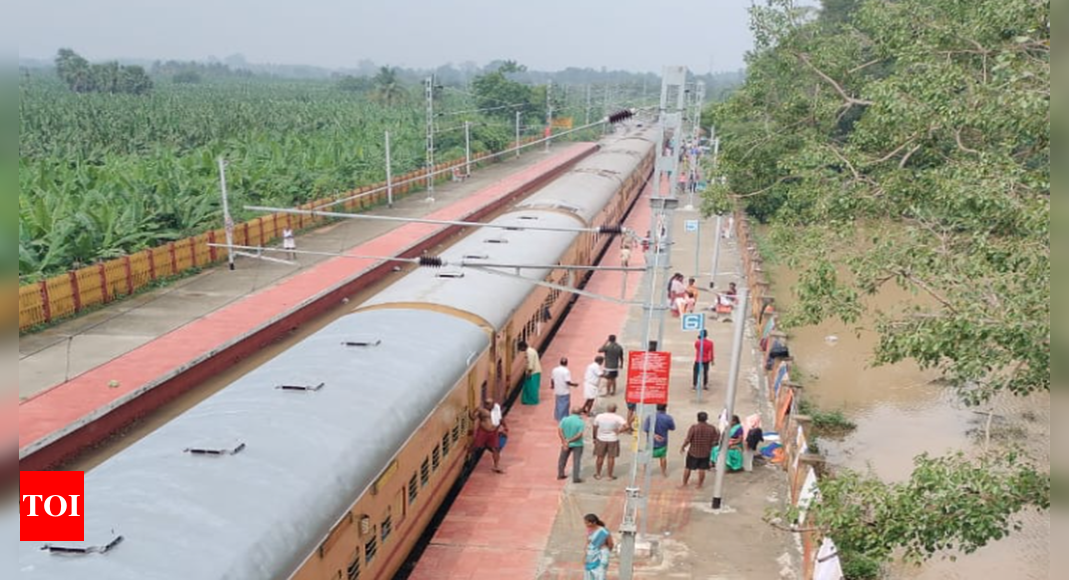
x=902, y=411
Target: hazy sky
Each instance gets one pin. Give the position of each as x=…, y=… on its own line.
x=543, y=34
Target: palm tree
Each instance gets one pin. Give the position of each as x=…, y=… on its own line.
x=388, y=89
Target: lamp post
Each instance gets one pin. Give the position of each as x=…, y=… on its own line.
x=733, y=380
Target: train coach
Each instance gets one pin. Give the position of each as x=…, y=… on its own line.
x=328, y=461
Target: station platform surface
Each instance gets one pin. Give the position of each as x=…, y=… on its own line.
x=74, y=373
x=527, y=524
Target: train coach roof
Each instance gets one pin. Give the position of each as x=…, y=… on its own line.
x=490, y=297
x=588, y=187
x=255, y=513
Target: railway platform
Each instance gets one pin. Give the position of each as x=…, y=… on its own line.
x=527, y=524
x=86, y=378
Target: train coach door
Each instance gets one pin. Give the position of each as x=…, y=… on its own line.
x=497, y=374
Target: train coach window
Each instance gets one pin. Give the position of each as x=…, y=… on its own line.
x=413, y=489
x=424, y=473
x=445, y=444
x=371, y=548
x=436, y=458
x=353, y=571
x=387, y=528
x=456, y=430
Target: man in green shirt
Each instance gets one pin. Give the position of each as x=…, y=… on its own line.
x=571, y=442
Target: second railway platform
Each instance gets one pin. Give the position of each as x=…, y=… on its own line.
x=526, y=524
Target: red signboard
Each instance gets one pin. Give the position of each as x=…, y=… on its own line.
x=651, y=368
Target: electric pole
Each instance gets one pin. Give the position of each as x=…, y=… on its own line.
x=228, y=223
x=430, y=136
x=549, y=113
x=518, y=117
x=587, y=121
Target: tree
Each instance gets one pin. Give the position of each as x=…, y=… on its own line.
x=109, y=77
x=388, y=89
x=908, y=143
x=73, y=70
x=186, y=77
x=133, y=80
x=354, y=84
x=500, y=96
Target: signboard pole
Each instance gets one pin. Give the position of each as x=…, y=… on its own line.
x=733, y=379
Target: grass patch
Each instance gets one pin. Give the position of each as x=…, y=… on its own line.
x=859, y=567
x=826, y=423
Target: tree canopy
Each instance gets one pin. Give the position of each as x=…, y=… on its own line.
x=500, y=96
x=910, y=141
x=108, y=77
x=907, y=142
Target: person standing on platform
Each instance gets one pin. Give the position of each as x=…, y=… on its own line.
x=662, y=424
x=607, y=429
x=625, y=254
x=591, y=383
x=486, y=432
x=532, y=376
x=703, y=357
x=570, y=432
x=289, y=243
x=698, y=446
x=599, y=546
x=561, y=378
x=614, y=362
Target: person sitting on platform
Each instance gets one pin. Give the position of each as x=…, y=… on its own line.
x=692, y=294
x=725, y=301
x=677, y=295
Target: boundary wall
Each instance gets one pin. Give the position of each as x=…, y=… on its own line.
x=801, y=466
x=65, y=295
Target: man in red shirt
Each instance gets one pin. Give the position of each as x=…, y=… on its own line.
x=703, y=358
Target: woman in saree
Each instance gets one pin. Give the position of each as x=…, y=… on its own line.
x=735, y=440
x=598, y=546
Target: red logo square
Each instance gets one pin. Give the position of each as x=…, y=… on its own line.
x=51, y=506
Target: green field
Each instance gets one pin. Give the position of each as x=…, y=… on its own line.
x=101, y=175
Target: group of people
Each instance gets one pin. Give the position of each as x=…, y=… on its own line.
x=700, y=447
x=682, y=298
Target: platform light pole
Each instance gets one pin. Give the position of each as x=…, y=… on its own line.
x=519, y=114
x=733, y=381
x=467, y=148
x=228, y=223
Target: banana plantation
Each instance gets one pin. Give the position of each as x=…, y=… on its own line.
x=102, y=175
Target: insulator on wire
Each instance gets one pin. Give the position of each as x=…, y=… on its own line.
x=621, y=115
x=431, y=261
x=616, y=229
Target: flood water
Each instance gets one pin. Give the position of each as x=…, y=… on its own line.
x=901, y=412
